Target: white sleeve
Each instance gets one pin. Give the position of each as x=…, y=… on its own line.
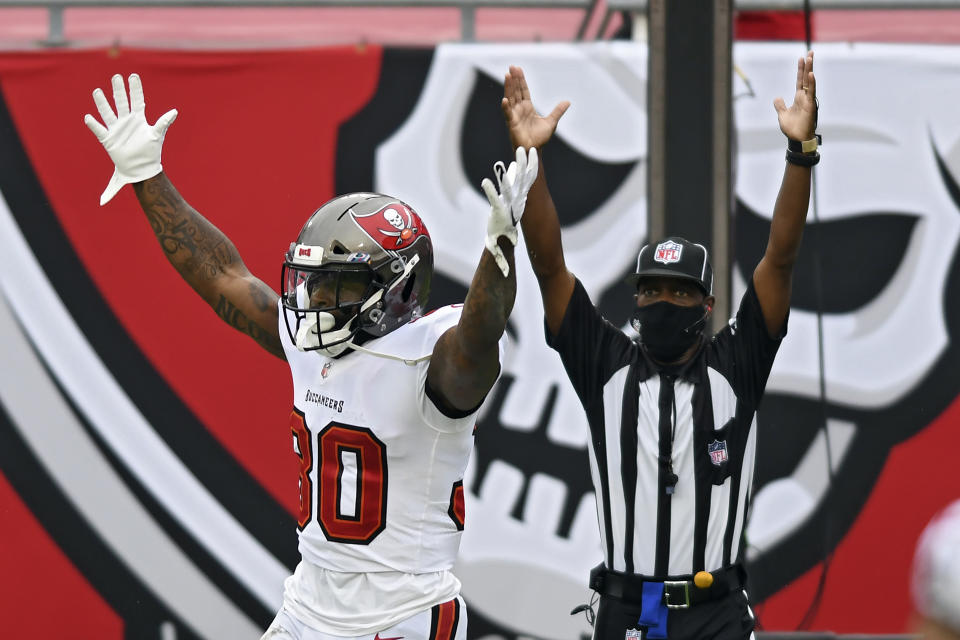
x=429, y=412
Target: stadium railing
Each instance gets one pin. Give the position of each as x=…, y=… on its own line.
x=56, y=8
x=614, y=6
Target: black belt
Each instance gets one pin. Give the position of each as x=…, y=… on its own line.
x=678, y=592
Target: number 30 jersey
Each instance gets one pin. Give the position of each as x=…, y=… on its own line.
x=381, y=468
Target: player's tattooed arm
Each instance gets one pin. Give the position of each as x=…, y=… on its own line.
x=197, y=249
x=466, y=359
x=260, y=296
x=210, y=263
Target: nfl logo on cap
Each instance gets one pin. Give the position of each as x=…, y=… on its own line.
x=674, y=257
x=668, y=252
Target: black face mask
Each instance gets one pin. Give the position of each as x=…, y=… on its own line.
x=667, y=330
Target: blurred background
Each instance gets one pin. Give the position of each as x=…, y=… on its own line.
x=147, y=482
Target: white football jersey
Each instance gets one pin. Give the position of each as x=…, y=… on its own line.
x=381, y=468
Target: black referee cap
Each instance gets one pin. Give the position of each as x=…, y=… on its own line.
x=675, y=257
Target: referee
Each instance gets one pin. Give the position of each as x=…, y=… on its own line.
x=672, y=415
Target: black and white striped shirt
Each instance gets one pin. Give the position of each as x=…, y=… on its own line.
x=701, y=418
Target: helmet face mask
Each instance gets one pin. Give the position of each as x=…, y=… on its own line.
x=361, y=264
x=329, y=297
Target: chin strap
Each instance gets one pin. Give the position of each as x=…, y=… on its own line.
x=410, y=362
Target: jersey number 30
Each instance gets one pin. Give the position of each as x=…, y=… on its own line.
x=352, y=473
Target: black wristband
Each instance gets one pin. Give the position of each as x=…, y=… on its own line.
x=796, y=145
x=803, y=159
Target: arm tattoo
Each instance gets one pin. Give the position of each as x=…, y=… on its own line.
x=489, y=302
x=262, y=296
x=239, y=321
x=197, y=249
x=469, y=362
x=210, y=263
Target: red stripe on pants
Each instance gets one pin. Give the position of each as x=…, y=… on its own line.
x=446, y=620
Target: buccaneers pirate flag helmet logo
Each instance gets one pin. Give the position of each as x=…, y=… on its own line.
x=394, y=227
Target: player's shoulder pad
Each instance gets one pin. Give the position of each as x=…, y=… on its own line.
x=447, y=315
x=420, y=333
x=435, y=322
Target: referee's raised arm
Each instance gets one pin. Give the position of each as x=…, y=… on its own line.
x=540, y=224
x=773, y=276
x=672, y=412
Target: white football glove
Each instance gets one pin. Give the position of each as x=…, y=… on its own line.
x=506, y=207
x=133, y=145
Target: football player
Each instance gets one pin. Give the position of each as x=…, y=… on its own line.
x=381, y=492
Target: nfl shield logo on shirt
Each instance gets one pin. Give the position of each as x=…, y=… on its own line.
x=668, y=252
x=718, y=452
x=632, y=634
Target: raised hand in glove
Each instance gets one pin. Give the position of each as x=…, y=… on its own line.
x=133, y=145
x=506, y=207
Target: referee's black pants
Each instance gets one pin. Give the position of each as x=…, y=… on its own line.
x=726, y=618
